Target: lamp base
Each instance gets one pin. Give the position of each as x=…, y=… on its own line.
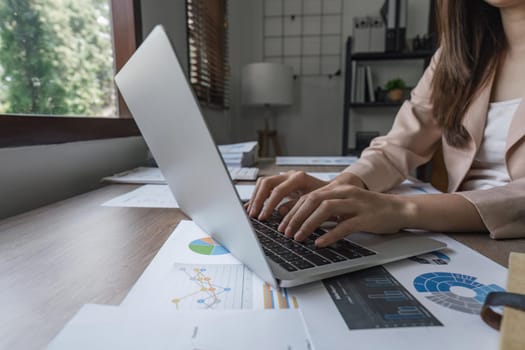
x=266, y=137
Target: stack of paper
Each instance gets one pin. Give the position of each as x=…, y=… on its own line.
x=239, y=154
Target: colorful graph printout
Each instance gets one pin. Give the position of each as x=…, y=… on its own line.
x=207, y=246
x=189, y=244
x=278, y=298
x=455, y=291
x=211, y=287
x=373, y=299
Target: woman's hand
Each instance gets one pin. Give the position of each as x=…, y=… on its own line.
x=270, y=191
x=354, y=208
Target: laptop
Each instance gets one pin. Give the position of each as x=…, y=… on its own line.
x=156, y=90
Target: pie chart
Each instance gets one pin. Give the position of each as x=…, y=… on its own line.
x=207, y=246
x=455, y=291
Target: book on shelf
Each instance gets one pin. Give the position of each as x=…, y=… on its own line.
x=370, y=84
x=239, y=155
x=354, y=78
x=360, y=85
x=363, y=85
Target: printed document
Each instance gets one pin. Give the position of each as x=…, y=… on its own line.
x=160, y=196
x=110, y=327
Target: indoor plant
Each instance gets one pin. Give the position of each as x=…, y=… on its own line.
x=395, y=89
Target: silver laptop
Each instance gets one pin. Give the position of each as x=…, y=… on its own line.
x=161, y=100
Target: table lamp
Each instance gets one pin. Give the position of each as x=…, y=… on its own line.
x=267, y=85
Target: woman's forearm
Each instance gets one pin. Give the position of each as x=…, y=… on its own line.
x=440, y=212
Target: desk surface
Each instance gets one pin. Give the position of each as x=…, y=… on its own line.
x=57, y=258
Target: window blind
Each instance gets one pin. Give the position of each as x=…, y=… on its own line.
x=208, y=51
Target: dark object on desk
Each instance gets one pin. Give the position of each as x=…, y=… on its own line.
x=512, y=323
x=512, y=300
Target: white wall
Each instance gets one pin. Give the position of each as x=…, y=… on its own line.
x=312, y=126
x=34, y=176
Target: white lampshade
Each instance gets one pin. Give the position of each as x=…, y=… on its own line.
x=267, y=83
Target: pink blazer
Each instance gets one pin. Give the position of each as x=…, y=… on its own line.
x=415, y=137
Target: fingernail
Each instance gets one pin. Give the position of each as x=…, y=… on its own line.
x=319, y=243
x=299, y=235
x=280, y=227
x=288, y=232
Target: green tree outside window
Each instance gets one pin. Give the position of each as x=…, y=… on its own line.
x=56, y=57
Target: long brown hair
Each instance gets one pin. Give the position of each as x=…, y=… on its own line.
x=472, y=44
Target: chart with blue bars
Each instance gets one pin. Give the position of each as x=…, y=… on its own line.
x=455, y=291
x=373, y=298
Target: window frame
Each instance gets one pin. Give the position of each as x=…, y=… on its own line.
x=29, y=130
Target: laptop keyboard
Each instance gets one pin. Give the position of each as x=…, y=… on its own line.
x=294, y=256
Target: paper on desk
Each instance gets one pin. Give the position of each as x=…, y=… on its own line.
x=147, y=196
x=160, y=196
x=140, y=175
x=111, y=327
x=191, y=271
x=448, y=286
x=152, y=176
x=315, y=160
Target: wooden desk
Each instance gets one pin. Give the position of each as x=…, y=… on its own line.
x=57, y=258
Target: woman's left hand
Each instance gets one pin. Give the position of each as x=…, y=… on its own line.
x=355, y=209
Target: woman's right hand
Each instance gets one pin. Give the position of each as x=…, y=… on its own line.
x=270, y=191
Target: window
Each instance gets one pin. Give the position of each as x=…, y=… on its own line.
x=56, y=58
x=208, y=58
x=47, y=70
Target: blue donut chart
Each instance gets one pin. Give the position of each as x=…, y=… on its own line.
x=439, y=284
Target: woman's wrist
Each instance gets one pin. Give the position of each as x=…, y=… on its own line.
x=408, y=211
x=348, y=178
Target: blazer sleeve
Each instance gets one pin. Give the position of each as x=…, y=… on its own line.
x=411, y=142
x=502, y=209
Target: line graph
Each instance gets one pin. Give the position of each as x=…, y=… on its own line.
x=212, y=287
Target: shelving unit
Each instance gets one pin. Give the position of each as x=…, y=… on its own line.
x=371, y=56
